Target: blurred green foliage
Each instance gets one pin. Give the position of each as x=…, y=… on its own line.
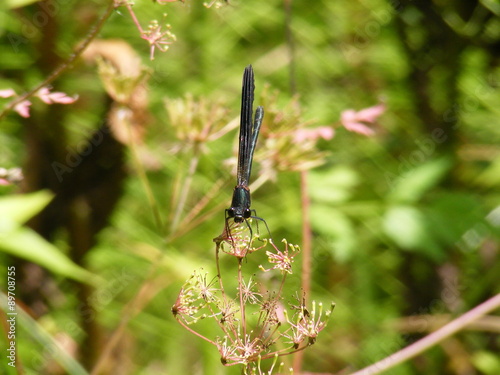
x=405, y=223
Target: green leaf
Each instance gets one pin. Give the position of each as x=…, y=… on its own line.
x=337, y=228
x=490, y=177
x=453, y=214
x=412, y=185
x=486, y=362
x=26, y=244
x=332, y=185
x=52, y=346
x=12, y=4
x=17, y=209
x=408, y=228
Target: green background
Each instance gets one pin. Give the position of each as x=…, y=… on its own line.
x=405, y=223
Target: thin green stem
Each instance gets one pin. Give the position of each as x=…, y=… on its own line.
x=217, y=262
x=202, y=203
x=242, y=304
x=145, y=183
x=266, y=319
x=186, y=188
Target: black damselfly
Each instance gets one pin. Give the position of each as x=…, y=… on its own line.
x=249, y=131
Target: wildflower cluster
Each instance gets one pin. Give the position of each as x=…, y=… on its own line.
x=255, y=323
x=44, y=94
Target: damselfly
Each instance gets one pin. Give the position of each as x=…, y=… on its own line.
x=249, y=131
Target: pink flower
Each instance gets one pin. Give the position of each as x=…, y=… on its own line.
x=158, y=38
x=23, y=108
x=325, y=132
x=54, y=97
x=7, y=93
x=282, y=260
x=356, y=121
x=10, y=176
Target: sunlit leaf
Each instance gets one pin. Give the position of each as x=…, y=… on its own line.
x=17, y=209
x=412, y=185
x=332, y=185
x=13, y=4
x=408, y=228
x=25, y=243
x=490, y=177
x=451, y=215
x=337, y=228
x=488, y=363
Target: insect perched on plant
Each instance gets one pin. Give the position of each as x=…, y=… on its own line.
x=249, y=131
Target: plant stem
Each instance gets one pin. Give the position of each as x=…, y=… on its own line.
x=202, y=203
x=306, y=235
x=290, y=44
x=194, y=332
x=145, y=183
x=242, y=304
x=186, y=187
x=432, y=339
x=306, y=252
x=134, y=17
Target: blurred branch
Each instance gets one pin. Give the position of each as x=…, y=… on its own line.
x=290, y=44
x=407, y=324
x=432, y=339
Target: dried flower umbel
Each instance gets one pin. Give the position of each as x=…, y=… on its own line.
x=255, y=323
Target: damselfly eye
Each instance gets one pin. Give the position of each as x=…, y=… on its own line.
x=247, y=213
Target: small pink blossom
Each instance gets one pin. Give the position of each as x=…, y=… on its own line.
x=22, y=108
x=7, y=93
x=325, y=132
x=281, y=260
x=158, y=38
x=54, y=97
x=356, y=121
